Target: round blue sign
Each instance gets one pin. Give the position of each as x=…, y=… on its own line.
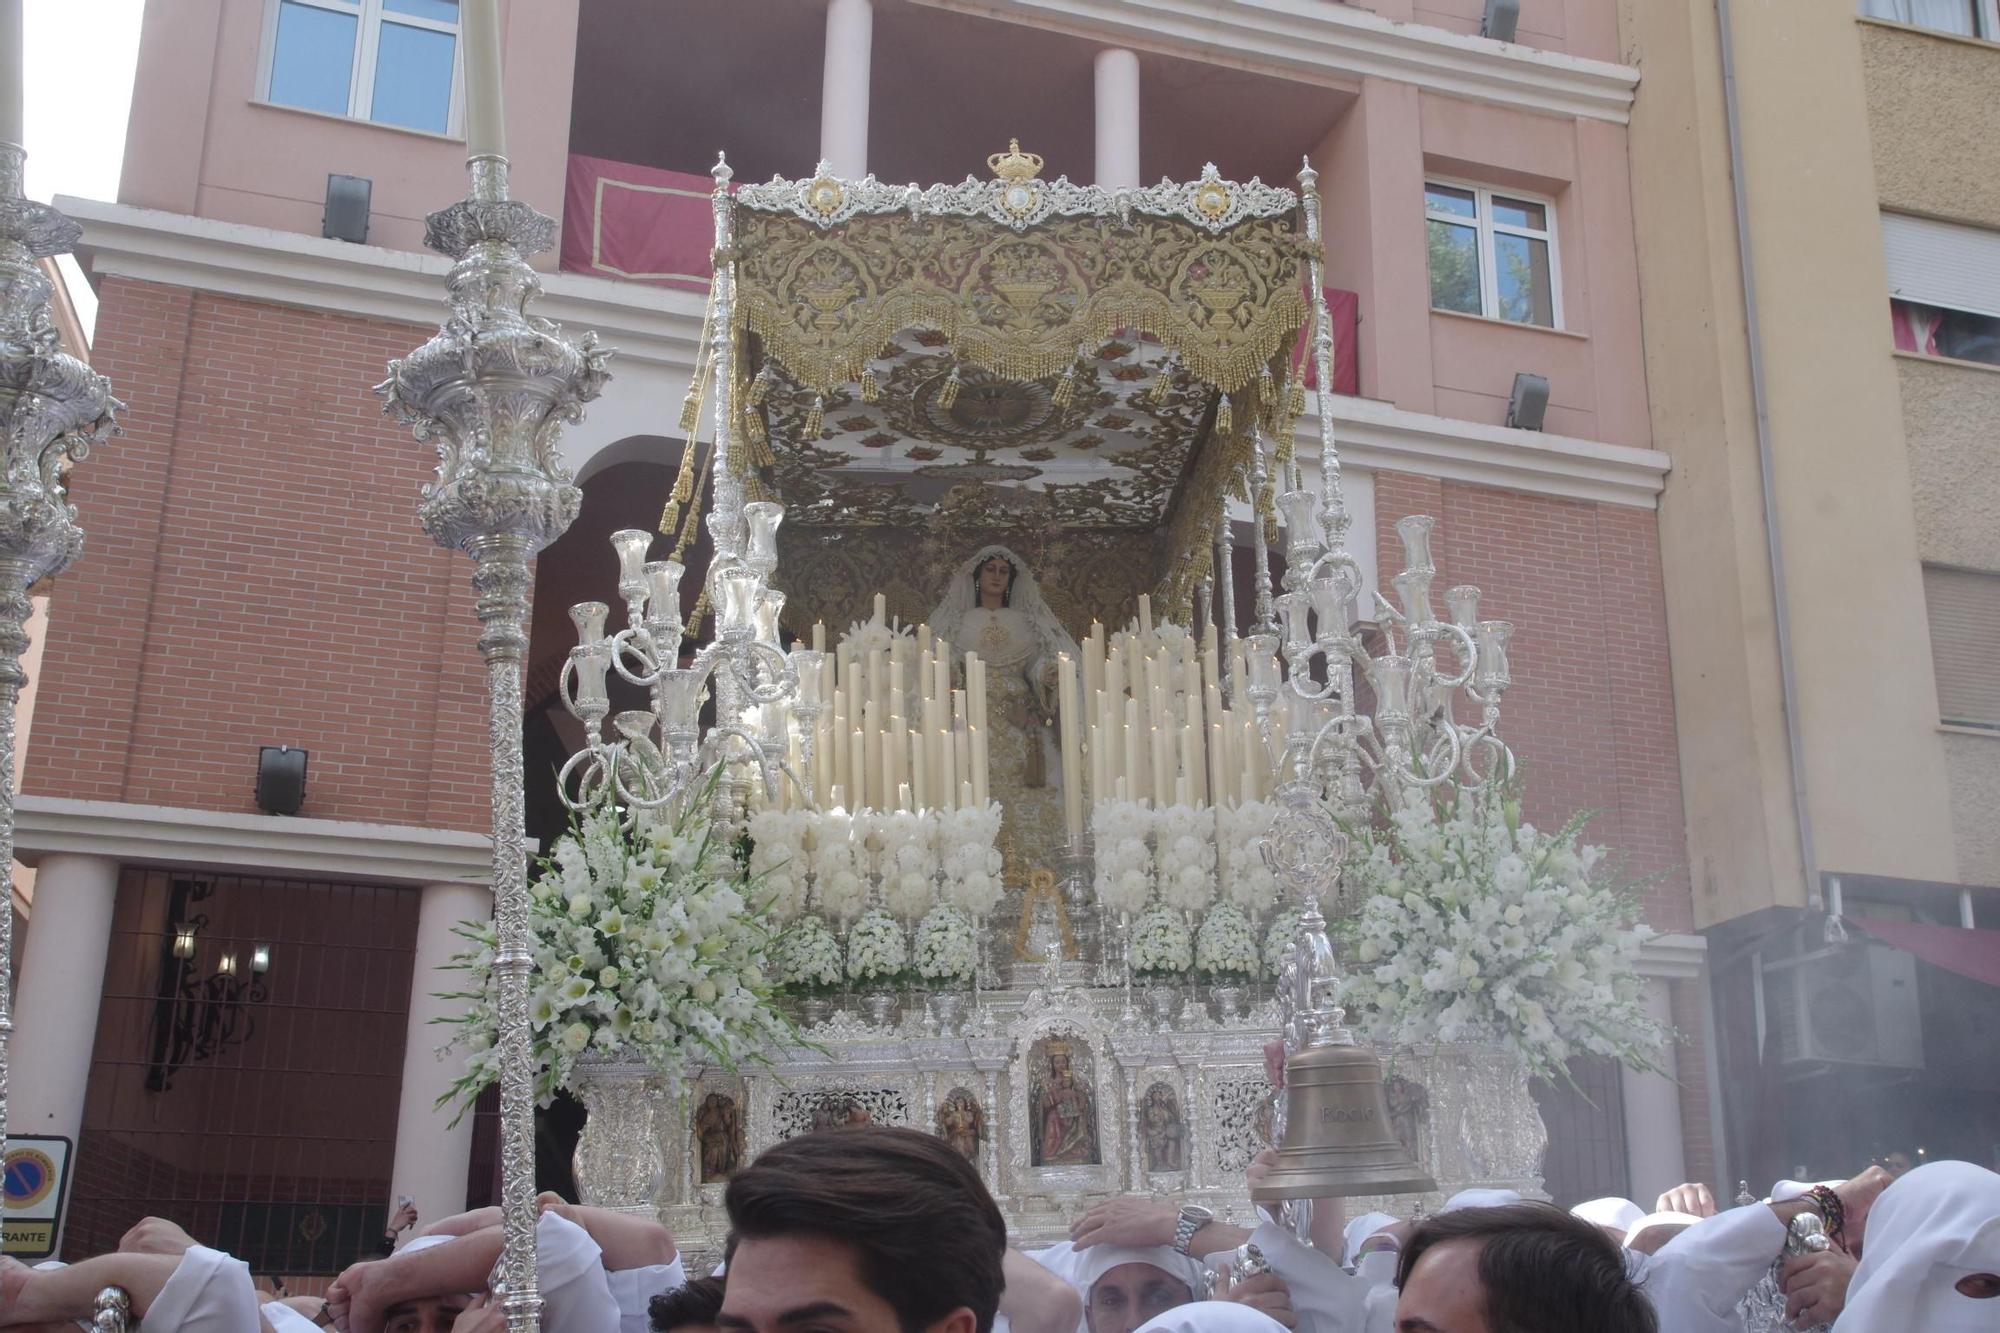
x=27, y=1178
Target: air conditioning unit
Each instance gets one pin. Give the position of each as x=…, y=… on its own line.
x=1853, y=1004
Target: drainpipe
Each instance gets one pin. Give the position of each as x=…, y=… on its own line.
x=1774, y=543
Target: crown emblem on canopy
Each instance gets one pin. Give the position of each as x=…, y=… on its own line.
x=1019, y=190
x=1015, y=165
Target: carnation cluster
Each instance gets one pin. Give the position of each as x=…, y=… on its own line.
x=644, y=943
x=1185, y=840
x=946, y=951
x=1246, y=880
x=1124, y=857
x=809, y=958
x=877, y=951
x=1225, y=948
x=1161, y=947
x=1477, y=926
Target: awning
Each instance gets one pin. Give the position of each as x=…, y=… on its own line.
x=1970, y=953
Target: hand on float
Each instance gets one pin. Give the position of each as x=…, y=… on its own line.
x=1815, y=1287
x=1128, y=1220
x=1693, y=1198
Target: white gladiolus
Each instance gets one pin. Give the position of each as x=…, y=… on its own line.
x=1475, y=926
x=627, y=928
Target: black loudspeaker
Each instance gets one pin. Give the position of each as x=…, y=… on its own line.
x=1500, y=19
x=346, y=216
x=281, y=779
x=1529, y=402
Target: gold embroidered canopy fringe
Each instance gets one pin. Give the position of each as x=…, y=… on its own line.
x=1023, y=280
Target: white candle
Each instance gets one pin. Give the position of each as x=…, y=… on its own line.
x=948, y=788
x=1072, y=763
x=485, y=121
x=1218, y=772
x=13, y=57
x=875, y=794
x=819, y=636
x=975, y=688
x=919, y=772
x=981, y=777
x=857, y=769
x=1135, y=763
x=1145, y=617
x=881, y=609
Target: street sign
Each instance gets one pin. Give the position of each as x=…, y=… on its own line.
x=34, y=1184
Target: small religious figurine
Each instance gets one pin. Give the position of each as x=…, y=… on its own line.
x=835, y=1110
x=1409, y=1107
x=961, y=1123
x=719, y=1130
x=1062, y=1108
x=994, y=608
x=1161, y=1130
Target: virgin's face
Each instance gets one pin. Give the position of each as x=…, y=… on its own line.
x=994, y=577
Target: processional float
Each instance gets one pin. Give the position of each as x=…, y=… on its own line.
x=1019, y=280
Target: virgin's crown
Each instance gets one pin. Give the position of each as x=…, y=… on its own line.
x=1015, y=165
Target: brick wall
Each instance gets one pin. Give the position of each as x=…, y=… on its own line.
x=1591, y=713
x=255, y=575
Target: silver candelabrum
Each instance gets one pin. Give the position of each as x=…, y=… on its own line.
x=53, y=407
x=1333, y=760
x=492, y=390
x=660, y=757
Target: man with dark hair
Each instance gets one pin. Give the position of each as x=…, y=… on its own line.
x=1520, y=1268
x=689, y=1309
x=862, y=1230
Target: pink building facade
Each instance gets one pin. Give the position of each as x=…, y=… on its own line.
x=256, y=575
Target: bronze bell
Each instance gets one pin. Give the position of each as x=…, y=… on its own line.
x=1338, y=1141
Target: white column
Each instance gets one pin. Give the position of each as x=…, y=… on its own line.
x=843, y=95
x=432, y=1156
x=1654, y=1153
x=1117, y=118
x=62, y=980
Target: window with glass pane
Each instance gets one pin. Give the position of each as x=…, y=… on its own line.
x=1491, y=254
x=1967, y=18
x=312, y=58
x=413, y=77
x=390, y=61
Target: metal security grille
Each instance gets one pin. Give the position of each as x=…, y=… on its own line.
x=1586, y=1124
x=247, y=1066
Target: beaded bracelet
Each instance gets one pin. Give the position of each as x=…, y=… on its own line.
x=1833, y=1211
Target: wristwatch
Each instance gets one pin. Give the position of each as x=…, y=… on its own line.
x=1193, y=1218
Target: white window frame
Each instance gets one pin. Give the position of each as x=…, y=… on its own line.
x=370, y=16
x=1985, y=21
x=1484, y=226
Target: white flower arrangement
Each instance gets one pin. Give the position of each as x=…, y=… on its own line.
x=969, y=838
x=877, y=951
x=1279, y=938
x=1170, y=637
x=864, y=637
x=1476, y=926
x=840, y=884
x=1246, y=880
x=643, y=940
x=778, y=860
x=1225, y=948
x=1161, y=949
x=907, y=861
x=1185, y=856
x=808, y=958
x=947, y=950
x=1124, y=861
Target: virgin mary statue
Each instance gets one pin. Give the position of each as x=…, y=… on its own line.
x=994, y=608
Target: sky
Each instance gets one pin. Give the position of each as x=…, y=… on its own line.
x=78, y=90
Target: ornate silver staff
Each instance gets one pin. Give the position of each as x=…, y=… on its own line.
x=493, y=390
x=53, y=407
